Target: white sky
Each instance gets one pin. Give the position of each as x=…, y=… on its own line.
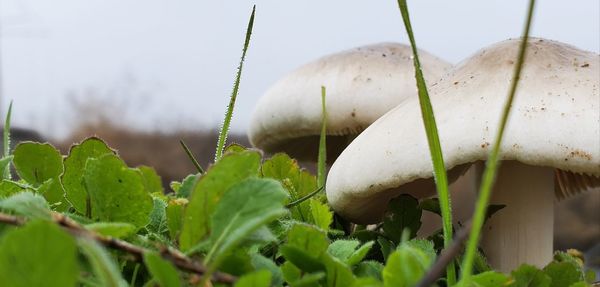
x=171, y=64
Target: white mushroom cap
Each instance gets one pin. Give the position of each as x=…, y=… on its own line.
x=362, y=84
x=554, y=122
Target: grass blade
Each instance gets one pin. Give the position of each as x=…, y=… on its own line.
x=322, y=158
x=433, y=140
x=6, y=142
x=236, y=85
x=492, y=164
x=191, y=156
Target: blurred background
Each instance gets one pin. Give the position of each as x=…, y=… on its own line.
x=143, y=74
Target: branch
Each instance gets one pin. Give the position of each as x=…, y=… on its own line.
x=448, y=254
x=178, y=259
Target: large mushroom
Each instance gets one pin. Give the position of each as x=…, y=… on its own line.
x=551, y=145
x=362, y=84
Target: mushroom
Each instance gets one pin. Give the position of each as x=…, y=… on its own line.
x=551, y=144
x=362, y=84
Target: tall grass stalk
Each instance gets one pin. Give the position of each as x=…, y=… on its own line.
x=492, y=164
x=227, y=121
x=6, y=142
x=322, y=157
x=433, y=140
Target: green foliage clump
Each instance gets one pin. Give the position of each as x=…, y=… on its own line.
x=235, y=220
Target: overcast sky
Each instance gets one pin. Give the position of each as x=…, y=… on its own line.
x=171, y=64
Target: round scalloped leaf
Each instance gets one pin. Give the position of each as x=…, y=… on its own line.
x=72, y=178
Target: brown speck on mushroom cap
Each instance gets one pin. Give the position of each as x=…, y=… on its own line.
x=362, y=84
x=463, y=118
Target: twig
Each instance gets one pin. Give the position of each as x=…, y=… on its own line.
x=448, y=254
x=181, y=261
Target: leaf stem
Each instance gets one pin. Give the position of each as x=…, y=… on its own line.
x=304, y=198
x=492, y=164
x=433, y=140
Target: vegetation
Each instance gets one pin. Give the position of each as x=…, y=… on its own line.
x=88, y=219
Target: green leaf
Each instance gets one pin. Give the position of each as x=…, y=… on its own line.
x=72, y=178
x=174, y=213
x=260, y=278
x=372, y=269
x=298, y=183
x=309, y=280
x=338, y=273
x=151, y=180
x=530, y=276
x=347, y=252
x=242, y=210
x=38, y=254
x=305, y=246
x=162, y=271
x=432, y=205
x=291, y=273
x=367, y=282
x=187, y=186
x=590, y=276
x=486, y=279
x=342, y=249
x=103, y=266
x=261, y=262
x=237, y=263
x=403, y=212
x=236, y=85
x=158, y=218
x=117, y=193
x=563, y=273
x=209, y=189
x=36, y=162
x=54, y=194
x=321, y=215
x=112, y=229
x=407, y=265
x=424, y=245
x=301, y=258
x=309, y=238
x=27, y=204
x=9, y=187
x=386, y=247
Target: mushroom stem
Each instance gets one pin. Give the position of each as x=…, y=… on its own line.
x=522, y=232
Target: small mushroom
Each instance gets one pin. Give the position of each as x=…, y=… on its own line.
x=362, y=84
x=551, y=144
